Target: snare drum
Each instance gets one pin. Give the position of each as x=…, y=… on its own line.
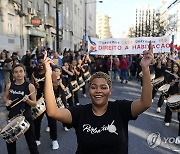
x=14, y=128
x=151, y=75
x=81, y=82
x=74, y=86
x=39, y=108
x=87, y=76
x=59, y=103
x=67, y=93
x=164, y=88
x=158, y=82
x=174, y=103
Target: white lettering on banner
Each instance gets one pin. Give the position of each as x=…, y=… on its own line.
x=122, y=46
x=111, y=128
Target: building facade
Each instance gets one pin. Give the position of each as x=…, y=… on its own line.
x=170, y=18
x=27, y=24
x=102, y=26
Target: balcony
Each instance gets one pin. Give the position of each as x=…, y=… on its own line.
x=49, y=22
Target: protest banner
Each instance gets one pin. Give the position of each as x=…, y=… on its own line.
x=123, y=46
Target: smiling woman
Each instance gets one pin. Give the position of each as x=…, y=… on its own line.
x=101, y=126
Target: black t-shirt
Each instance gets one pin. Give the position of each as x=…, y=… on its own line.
x=106, y=134
x=173, y=89
x=38, y=77
x=19, y=91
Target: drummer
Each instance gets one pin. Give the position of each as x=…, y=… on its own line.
x=20, y=88
x=39, y=74
x=61, y=86
x=82, y=71
x=167, y=68
x=174, y=89
x=76, y=73
x=158, y=68
x=67, y=75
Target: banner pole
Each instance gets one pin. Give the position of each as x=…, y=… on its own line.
x=111, y=66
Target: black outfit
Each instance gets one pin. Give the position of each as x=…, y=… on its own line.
x=172, y=90
x=26, y=62
x=163, y=96
x=159, y=72
x=19, y=91
x=67, y=80
x=60, y=92
x=75, y=93
x=51, y=122
x=106, y=134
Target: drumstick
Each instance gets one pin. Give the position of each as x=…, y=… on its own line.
x=21, y=100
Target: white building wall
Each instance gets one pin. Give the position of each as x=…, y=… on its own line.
x=77, y=23
x=10, y=23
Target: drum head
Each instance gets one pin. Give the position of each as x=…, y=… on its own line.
x=12, y=123
x=173, y=99
x=164, y=87
x=158, y=80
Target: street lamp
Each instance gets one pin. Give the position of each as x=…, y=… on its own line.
x=85, y=30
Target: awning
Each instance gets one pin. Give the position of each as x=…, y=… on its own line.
x=36, y=32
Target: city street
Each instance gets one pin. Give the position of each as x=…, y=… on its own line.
x=147, y=123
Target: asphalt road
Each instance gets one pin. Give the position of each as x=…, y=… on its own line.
x=139, y=130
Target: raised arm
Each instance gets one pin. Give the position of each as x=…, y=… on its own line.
x=139, y=106
x=60, y=114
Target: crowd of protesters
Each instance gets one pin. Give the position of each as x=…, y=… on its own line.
x=121, y=67
x=73, y=69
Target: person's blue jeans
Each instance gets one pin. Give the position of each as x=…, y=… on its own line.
x=117, y=73
x=124, y=74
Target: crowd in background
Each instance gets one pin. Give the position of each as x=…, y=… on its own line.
x=121, y=67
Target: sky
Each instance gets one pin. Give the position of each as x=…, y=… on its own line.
x=122, y=13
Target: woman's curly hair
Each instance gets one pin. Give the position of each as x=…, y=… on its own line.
x=101, y=75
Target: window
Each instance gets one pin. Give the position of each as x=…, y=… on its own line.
x=10, y=25
x=75, y=9
x=46, y=9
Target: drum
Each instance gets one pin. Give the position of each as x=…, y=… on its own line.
x=67, y=93
x=87, y=76
x=39, y=108
x=81, y=82
x=151, y=75
x=59, y=103
x=74, y=86
x=14, y=128
x=174, y=103
x=164, y=88
x=158, y=82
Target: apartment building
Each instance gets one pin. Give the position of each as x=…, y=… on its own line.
x=102, y=26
